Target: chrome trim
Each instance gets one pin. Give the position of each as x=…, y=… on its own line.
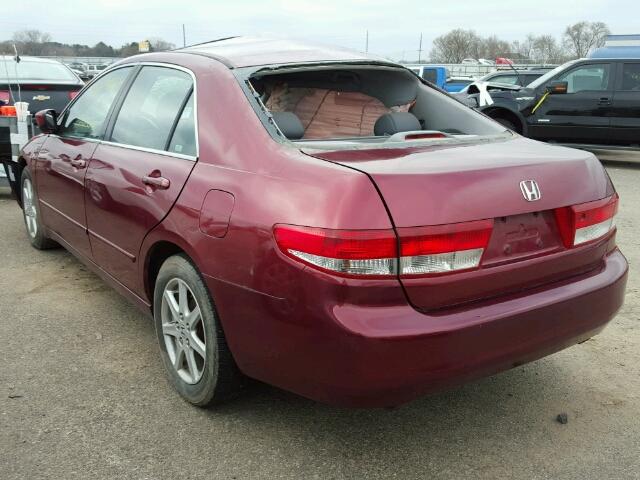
x=150, y=150
x=135, y=147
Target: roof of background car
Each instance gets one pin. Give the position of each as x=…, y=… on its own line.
x=237, y=52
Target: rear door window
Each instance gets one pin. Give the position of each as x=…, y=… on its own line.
x=87, y=117
x=631, y=77
x=149, y=111
x=587, y=78
x=183, y=140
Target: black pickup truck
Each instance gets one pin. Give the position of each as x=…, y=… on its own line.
x=590, y=102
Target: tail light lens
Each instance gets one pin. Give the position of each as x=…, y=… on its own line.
x=345, y=252
x=586, y=222
x=443, y=248
x=423, y=250
x=5, y=96
x=73, y=95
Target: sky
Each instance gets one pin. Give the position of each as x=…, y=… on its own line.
x=394, y=25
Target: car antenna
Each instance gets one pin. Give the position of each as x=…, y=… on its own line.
x=15, y=68
x=517, y=73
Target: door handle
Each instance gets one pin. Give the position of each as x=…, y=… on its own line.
x=78, y=162
x=157, y=182
x=604, y=101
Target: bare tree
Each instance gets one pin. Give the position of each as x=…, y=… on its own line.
x=583, y=36
x=159, y=45
x=492, y=47
x=31, y=42
x=455, y=46
x=525, y=48
x=547, y=50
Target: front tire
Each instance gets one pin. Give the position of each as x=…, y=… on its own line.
x=193, y=347
x=31, y=213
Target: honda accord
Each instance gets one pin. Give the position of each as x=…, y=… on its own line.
x=323, y=221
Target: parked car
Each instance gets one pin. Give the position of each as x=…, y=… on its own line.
x=43, y=83
x=455, y=84
x=502, y=77
x=583, y=102
x=94, y=69
x=323, y=221
x=437, y=75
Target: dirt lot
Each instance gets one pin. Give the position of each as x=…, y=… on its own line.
x=82, y=395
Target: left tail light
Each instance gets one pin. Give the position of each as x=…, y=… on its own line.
x=5, y=96
x=73, y=95
x=587, y=222
x=419, y=251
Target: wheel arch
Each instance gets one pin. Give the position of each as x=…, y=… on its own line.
x=501, y=111
x=155, y=257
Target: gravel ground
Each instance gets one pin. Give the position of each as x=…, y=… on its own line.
x=83, y=395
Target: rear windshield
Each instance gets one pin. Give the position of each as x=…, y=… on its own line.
x=29, y=70
x=357, y=105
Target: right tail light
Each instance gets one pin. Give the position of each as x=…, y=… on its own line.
x=587, y=222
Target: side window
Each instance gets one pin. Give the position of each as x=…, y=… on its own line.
x=183, y=140
x=507, y=79
x=149, y=111
x=587, y=77
x=87, y=117
x=631, y=77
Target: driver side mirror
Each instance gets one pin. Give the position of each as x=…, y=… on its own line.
x=557, y=87
x=46, y=121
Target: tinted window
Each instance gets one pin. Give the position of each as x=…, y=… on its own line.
x=586, y=77
x=30, y=70
x=87, y=116
x=183, y=140
x=430, y=75
x=508, y=79
x=151, y=107
x=631, y=76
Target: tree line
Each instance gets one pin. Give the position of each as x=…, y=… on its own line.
x=576, y=42
x=37, y=43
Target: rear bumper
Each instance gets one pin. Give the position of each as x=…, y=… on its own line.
x=385, y=356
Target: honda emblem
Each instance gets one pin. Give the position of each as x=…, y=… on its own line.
x=530, y=190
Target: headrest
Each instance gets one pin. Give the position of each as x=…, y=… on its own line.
x=391, y=123
x=289, y=124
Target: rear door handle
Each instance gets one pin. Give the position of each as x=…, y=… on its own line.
x=78, y=162
x=604, y=101
x=157, y=182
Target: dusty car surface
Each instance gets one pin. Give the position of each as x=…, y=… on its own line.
x=323, y=221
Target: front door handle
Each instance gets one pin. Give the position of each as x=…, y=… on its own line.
x=157, y=182
x=604, y=101
x=78, y=162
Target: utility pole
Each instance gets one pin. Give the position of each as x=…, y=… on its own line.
x=184, y=37
x=366, y=44
x=420, y=50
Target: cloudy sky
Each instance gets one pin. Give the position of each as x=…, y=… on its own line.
x=394, y=25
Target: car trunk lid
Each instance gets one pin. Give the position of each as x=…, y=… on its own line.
x=441, y=184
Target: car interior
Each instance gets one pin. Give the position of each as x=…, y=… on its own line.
x=363, y=104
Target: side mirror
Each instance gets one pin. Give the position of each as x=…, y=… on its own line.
x=46, y=121
x=557, y=87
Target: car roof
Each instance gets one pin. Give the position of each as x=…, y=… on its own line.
x=237, y=52
x=30, y=59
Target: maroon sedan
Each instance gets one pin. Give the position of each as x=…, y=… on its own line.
x=323, y=221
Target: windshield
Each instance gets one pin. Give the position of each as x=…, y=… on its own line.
x=550, y=74
x=29, y=70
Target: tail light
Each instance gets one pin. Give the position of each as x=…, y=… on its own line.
x=345, y=252
x=73, y=95
x=443, y=248
x=5, y=96
x=586, y=222
x=420, y=250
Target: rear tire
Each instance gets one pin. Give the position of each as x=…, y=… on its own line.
x=31, y=213
x=507, y=123
x=193, y=347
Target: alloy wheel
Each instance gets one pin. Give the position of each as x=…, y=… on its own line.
x=183, y=331
x=29, y=208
